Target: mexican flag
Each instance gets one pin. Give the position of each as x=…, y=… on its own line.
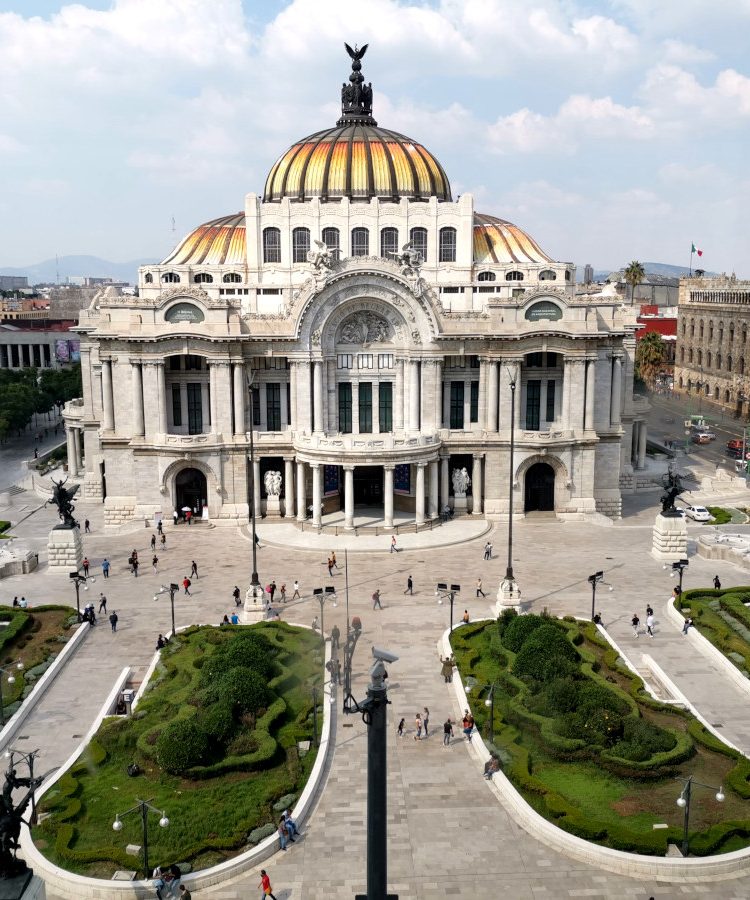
x=694, y=249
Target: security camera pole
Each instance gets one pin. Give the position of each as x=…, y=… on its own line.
x=374, y=715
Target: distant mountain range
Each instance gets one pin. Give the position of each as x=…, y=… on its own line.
x=653, y=268
x=51, y=270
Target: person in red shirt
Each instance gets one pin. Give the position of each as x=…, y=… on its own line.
x=265, y=884
x=186, y=585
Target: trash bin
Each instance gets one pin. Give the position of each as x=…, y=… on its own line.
x=128, y=696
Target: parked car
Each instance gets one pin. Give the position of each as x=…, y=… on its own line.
x=698, y=513
x=701, y=437
x=704, y=429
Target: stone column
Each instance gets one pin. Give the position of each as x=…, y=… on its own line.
x=414, y=395
x=213, y=404
x=238, y=372
x=577, y=390
x=293, y=395
x=288, y=487
x=332, y=406
x=510, y=369
x=567, y=378
x=642, y=436
x=388, y=496
x=590, y=394
x=398, y=400
x=161, y=385
x=137, y=381
x=304, y=398
x=419, y=506
x=301, y=497
x=77, y=442
x=256, y=489
x=615, y=405
x=433, y=508
x=72, y=455
x=477, y=489
x=438, y=414
x=109, y=409
x=349, y=497
x=492, y=395
x=318, y=395
x=317, y=500
x=482, y=412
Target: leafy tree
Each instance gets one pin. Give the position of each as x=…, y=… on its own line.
x=634, y=275
x=650, y=353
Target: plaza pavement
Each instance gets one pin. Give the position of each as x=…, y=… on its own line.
x=448, y=834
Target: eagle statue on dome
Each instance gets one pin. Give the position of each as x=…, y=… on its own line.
x=356, y=97
x=356, y=55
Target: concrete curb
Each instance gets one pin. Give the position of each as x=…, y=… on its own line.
x=672, y=869
x=70, y=886
x=40, y=688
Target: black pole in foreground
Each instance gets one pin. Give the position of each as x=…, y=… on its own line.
x=509, y=568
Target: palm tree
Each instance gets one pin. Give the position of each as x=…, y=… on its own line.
x=634, y=275
x=650, y=352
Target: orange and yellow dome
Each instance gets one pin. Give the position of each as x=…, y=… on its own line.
x=499, y=242
x=357, y=160
x=220, y=242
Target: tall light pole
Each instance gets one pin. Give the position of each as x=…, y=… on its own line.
x=171, y=590
x=683, y=801
x=442, y=593
x=680, y=567
x=144, y=807
x=28, y=756
x=321, y=595
x=490, y=701
x=79, y=580
x=254, y=580
x=509, y=590
x=593, y=580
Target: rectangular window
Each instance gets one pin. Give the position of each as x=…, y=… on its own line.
x=534, y=360
x=344, y=361
x=385, y=406
x=176, y=405
x=457, y=404
x=256, y=405
x=174, y=363
x=273, y=406
x=455, y=362
x=474, y=401
x=551, y=360
x=193, y=363
x=385, y=360
x=533, y=395
x=550, y=411
x=364, y=360
x=365, y=407
x=195, y=409
x=345, y=407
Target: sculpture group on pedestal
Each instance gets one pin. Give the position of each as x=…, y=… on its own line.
x=272, y=482
x=461, y=481
x=11, y=818
x=62, y=497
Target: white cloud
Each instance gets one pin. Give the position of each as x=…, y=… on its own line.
x=675, y=93
x=682, y=53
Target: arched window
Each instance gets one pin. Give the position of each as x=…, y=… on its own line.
x=300, y=244
x=331, y=238
x=360, y=242
x=271, y=245
x=700, y=357
x=744, y=335
x=567, y=275
x=700, y=329
x=447, y=250
x=418, y=238
x=547, y=275
x=721, y=332
x=515, y=275
x=708, y=359
x=683, y=327
x=710, y=330
x=203, y=278
x=705, y=388
x=486, y=276
x=690, y=355
x=716, y=393
x=149, y=278
x=690, y=385
x=718, y=360
x=682, y=354
x=170, y=278
x=741, y=365
x=692, y=328
x=727, y=396
x=232, y=278
x=388, y=242
x=731, y=331
x=729, y=363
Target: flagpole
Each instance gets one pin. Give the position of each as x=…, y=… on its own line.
x=692, y=251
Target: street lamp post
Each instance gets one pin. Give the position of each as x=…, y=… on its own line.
x=79, y=580
x=28, y=756
x=509, y=590
x=352, y=636
x=172, y=589
x=144, y=807
x=680, y=567
x=321, y=595
x=593, y=580
x=683, y=801
x=7, y=670
x=442, y=593
x=315, y=716
x=254, y=579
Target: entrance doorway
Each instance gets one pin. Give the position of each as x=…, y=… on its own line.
x=190, y=489
x=368, y=485
x=540, y=488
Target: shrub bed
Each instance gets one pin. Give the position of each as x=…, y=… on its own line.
x=723, y=619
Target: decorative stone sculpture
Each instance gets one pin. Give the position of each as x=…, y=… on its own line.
x=672, y=484
x=365, y=328
x=272, y=482
x=62, y=497
x=670, y=529
x=410, y=261
x=64, y=547
x=11, y=818
x=461, y=481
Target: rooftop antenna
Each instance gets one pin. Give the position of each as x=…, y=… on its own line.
x=57, y=269
x=173, y=228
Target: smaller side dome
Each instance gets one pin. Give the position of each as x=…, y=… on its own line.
x=220, y=242
x=500, y=242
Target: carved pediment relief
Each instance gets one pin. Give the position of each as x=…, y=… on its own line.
x=364, y=328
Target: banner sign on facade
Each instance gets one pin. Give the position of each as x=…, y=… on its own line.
x=402, y=479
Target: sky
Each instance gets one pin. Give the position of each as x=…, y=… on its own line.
x=610, y=130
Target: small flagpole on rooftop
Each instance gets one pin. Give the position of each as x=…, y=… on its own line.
x=692, y=251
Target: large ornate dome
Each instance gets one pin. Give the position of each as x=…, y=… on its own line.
x=220, y=242
x=498, y=242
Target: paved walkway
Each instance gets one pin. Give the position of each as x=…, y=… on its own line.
x=448, y=833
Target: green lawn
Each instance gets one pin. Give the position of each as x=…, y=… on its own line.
x=722, y=617
x=244, y=755
x=588, y=748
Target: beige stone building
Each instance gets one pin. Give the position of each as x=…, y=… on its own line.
x=712, y=349
x=372, y=331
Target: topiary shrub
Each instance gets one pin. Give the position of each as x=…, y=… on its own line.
x=519, y=628
x=504, y=619
x=180, y=746
x=243, y=690
x=641, y=740
x=217, y=722
x=546, y=654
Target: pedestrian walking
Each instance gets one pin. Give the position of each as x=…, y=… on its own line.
x=314, y=624
x=400, y=729
x=447, y=732
x=257, y=540
x=153, y=542
x=175, y=517
x=282, y=592
x=649, y=611
x=650, y=625
x=635, y=622
x=135, y=567
x=425, y=720
x=717, y=583
x=409, y=586
x=265, y=882
x=446, y=670
x=467, y=724
x=102, y=603
x=272, y=589
x=160, y=527
x=296, y=595
x=236, y=595
x=330, y=566
x=189, y=516
x=186, y=584
x=155, y=563
x=394, y=548
x=488, y=550
x=194, y=569
x=335, y=636
x=479, y=588
x=376, y=600
x=85, y=565
x=113, y=619
x=163, y=541
x=418, y=727
x=686, y=625
x=87, y=527
x=333, y=559
x=105, y=567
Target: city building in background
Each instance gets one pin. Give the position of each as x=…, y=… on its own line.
x=369, y=327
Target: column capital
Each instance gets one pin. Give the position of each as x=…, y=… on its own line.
x=315, y=465
x=422, y=463
x=350, y=468
x=479, y=455
x=289, y=459
x=150, y=362
x=389, y=466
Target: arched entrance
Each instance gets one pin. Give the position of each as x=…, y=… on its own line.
x=539, y=488
x=190, y=489
x=368, y=486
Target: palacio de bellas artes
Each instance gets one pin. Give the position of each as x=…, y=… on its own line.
x=375, y=331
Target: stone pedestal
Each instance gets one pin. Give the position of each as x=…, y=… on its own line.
x=20, y=887
x=273, y=506
x=65, y=548
x=460, y=503
x=670, y=538
x=254, y=609
x=508, y=596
